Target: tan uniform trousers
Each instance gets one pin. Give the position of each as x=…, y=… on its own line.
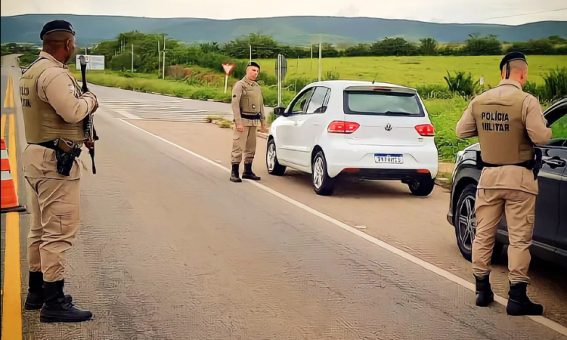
x=245, y=140
x=55, y=212
x=519, y=209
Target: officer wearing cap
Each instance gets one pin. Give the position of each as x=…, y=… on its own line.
x=54, y=109
x=248, y=109
x=508, y=123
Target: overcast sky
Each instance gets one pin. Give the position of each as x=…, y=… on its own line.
x=510, y=12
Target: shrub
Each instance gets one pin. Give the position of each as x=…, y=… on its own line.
x=555, y=84
x=462, y=83
x=434, y=92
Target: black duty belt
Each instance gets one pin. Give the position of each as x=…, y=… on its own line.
x=50, y=144
x=55, y=145
x=527, y=164
x=249, y=115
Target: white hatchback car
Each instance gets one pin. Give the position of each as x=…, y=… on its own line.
x=365, y=129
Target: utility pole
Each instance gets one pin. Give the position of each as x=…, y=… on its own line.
x=250, y=47
x=320, y=55
x=163, y=71
x=158, y=59
x=132, y=58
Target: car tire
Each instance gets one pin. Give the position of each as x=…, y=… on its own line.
x=322, y=183
x=274, y=167
x=465, y=224
x=421, y=186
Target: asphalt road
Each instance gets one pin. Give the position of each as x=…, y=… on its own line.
x=170, y=249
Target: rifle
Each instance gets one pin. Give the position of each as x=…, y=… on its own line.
x=88, y=122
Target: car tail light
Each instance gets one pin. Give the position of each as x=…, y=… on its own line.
x=422, y=171
x=426, y=130
x=341, y=126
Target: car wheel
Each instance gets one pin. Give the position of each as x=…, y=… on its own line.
x=274, y=167
x=421, y=186
x=465, y=224
x=322, y=183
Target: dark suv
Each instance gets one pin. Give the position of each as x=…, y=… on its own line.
x=550, y=231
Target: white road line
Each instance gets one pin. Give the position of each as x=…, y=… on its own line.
x=441, y=272
x=125, y=114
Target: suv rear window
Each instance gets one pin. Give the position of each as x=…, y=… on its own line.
x=382, y=103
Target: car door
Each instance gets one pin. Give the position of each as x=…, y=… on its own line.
x=551, y=181
x=290, y=148
x=562, y=227
x=308, y=126
x=547, y=204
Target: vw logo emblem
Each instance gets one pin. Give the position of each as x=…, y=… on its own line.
x=388, y=127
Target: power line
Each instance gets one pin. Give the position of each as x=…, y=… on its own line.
x=524, y=14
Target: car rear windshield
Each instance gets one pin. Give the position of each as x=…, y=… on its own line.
x=382, y=103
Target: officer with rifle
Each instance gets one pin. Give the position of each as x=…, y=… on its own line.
x=56, y=114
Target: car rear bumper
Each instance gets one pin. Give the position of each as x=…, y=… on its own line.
x=340, y=157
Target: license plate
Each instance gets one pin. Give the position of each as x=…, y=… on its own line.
x=388, y=158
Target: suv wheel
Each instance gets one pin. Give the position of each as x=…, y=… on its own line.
x=465, y=224
x=421, y=186
x=322, y=183
x=274, y=167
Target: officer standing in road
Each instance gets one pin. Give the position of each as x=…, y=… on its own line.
x=54, y=109
x=508, y=123
x=248, y=109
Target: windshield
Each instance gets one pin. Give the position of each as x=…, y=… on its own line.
x=382, y=103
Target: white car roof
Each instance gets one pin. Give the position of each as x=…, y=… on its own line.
x=342, y=84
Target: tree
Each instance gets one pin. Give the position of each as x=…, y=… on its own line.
x=428, y=46
x=393, y=46
x=478, y=45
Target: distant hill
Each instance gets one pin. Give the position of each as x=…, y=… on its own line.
x=290, y=30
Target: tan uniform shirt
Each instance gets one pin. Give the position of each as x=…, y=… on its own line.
x=237, y=92
x=509, y=177
x=58, y=87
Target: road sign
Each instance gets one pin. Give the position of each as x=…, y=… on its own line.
x=228, y=68
x=94, y=62
x=281, y=64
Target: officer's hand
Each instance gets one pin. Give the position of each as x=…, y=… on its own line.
x=94, y=100
x=264, y=128
x=239, y=127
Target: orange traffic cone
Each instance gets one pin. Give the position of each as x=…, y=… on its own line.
x=8, y=197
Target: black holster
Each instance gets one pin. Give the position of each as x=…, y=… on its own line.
x=65, y=153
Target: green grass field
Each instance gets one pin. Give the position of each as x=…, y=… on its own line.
x=412, y=71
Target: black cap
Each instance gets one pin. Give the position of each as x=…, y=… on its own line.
x=510, y=57
x=56, y=25
x=253, y=63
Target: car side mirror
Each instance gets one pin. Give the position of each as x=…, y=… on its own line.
x=279, y=111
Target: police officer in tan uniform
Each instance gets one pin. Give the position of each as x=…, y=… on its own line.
x=54, y=109
x=248, y=109
x=508, y=122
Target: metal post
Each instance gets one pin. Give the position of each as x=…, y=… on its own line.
x=163, y=71
x=158, y=59
x=132, y=58
x=225, y=82
x=280, y=62
x=250, y=47
x=319, y=72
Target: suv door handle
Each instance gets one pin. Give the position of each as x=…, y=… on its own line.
x=554, y=162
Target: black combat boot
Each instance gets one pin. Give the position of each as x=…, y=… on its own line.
x=34, y=300
x=57, y=308
x=248, y=174
x=519, y=303
x=484, y=294
x=234, y=176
